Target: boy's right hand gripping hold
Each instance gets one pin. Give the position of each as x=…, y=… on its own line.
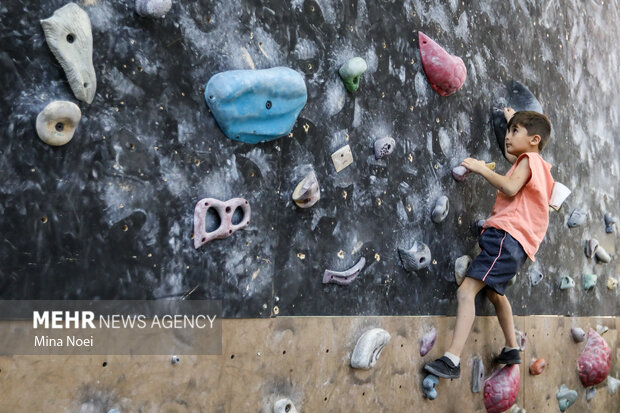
x=474, y=165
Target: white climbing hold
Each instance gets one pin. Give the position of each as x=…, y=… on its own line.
x=612, y=385
x=601, y=329
x=284, y=406
x=559, y=193
x=56, y=123
x=342, y=158
x=602, y=255
x=368, y=348
x=69, y=36
x=307, y=192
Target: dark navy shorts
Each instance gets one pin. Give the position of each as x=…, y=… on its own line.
x=501, y=258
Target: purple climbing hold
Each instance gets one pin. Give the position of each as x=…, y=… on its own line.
x=384, y=147
x=344, y=277
x=610, y=222
x=428, y=341
x=577, y=217
x=225, y=211
x=440, y=212
x=459, y=173
x=477, y=376
x=578, y=334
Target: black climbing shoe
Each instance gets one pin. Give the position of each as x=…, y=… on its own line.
x=443, y=367
x=508, y=357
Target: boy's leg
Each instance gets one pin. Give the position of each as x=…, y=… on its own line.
x=444, y=366
x=510, y=353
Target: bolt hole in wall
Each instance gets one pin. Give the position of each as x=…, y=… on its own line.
x=70, y=38
x=60, y=127
x=105, y=363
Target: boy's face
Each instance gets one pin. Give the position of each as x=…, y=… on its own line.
x=518, y=141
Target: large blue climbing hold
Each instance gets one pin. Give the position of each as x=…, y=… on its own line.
x=254, y=106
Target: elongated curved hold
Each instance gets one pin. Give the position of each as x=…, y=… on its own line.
x=566, y=282
x=284, y=406
x=577, y=334
x=612, y=283
x=56, y=123
x=440, y=212
x=429, y=385
x=591, y=246
x=535, y=276
x=537, y=366
x=521, y=338
x=416, y=258
x=153, y=8
x=566, y=397
x=307, y=192
x=500, y=390
x=368, y=348
x=559, y=193
x=519, y=98
x=446, y=73
x=589, y=281
x=595, y=359
x=69, y=36
x=461, y=265
x=351, y=71
x=602, y=255
x=428, y=341
x=254, y=106
x=577, y=217
x=477, y=376
x=384, y=147
x=612, y=385
x=344, y=277
x=610, y=223
x=225, y=211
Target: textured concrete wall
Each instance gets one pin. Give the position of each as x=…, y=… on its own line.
x=306, y=359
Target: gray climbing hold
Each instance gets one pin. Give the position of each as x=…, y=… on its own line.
x=578, y=334
x=566, y=397
x=577, y=217
x=459, y=173
x=590, y=393
x=591, y=247
x=477, y=376
x=602, y=255
x=69, y=36
x=478, y=226
x=428, y=341
x=284, y=406
x=461, y=265
x=601, y=329
x=516, y=409
x=56, y=123
x=175, y=359
x=566, y=282
x=428, y=386
x=535, y=276
x=610, y=222
x=384, y=147
x=612, y=385
x=307, y=192
x=416, y=258
x=153, y=8
x=114, y=411
x=351, y=71
x=368, y=348
x=440, y=212
x=521, y=339
x=589, y=281
x=344, y=277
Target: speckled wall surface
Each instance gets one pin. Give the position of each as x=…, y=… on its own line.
x=118, y=200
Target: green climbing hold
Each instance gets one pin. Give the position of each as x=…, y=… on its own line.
x=589, y=280
x=566, y=283
x=351, y=71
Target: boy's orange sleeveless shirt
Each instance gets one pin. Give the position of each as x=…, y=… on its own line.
x=525, y=216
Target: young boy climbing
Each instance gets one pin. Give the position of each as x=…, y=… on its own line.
x=513, y=233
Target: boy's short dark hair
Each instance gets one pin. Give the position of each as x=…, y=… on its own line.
x=535, y=123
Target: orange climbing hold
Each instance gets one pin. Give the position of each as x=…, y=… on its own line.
x=537, y=366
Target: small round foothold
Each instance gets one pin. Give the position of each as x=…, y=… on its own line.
x=153, y=8
x=442, y=207
x=175, y=359
x=384, y=147
x=57, y=122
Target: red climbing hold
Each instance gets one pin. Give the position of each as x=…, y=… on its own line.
x=595, y=359
x=500, y=390
x=446, y=73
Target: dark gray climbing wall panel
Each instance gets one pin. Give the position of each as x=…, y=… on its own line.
x=118, y=200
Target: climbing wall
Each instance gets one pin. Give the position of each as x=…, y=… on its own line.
x=110, y=215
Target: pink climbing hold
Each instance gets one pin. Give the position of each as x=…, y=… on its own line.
x=595, y=359
x=445, y=73
x=500, y=390
x=428, y=341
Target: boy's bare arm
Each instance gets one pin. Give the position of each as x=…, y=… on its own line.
x=509, y=185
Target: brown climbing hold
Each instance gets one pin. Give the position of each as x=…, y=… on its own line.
x=537, y=366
